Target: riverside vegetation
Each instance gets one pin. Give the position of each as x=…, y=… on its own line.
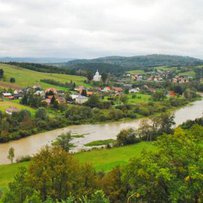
x=174, y=170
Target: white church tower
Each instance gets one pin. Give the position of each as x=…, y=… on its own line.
x=97, y=77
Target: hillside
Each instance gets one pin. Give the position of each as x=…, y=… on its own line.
x=25, y=77
x=119, y=63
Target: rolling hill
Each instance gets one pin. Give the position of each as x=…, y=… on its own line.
x=119, y=63
x=25, y=77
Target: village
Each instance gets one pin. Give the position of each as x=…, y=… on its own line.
x=130, y=83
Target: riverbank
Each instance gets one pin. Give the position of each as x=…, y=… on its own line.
x=95, y=157
x=32, y=144
x=19, y=128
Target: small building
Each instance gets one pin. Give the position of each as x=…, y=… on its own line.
x=106, y=89
x=81, y=99
x=53, y=90
x=117, y=89
x=97, y=77
x=7, y=94
x=134, y=90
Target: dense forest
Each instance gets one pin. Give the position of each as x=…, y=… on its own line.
x=141, y=61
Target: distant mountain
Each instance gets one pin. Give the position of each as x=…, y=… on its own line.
x=141, y=61
x=41, y=60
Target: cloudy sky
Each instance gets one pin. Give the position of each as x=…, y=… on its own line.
x=92, y=28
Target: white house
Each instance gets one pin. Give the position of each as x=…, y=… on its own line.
x=81, y=99
x=134, y=90
x=97, y=77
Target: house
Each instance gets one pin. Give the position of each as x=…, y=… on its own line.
x=97, y=77
x=117, y=89
x=81, y=99
x=172, y=94
x=61, y=100
x=74, y=96
x=134, y=90
x=47, y=101
x=180, y=79
x=106, y=89
x=7, y=94
x=89, y=93
x=79, y=89
x=40, y=93
x=51, y=90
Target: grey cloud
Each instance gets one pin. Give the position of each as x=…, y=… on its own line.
x=91, y=28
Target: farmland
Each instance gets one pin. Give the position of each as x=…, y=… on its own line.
x=25, y=78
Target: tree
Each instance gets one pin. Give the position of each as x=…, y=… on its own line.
x=163, y=123
x=170, y=174
x=93, y=101
x=56, y=174
x=145, y=130
x=18, y=190
x=84, y=92
x=159, y=95
x=189, y=94
x=89, y=76
x=126, y=137
x=113, y=187
x=1, y=73
x=63, y=141
x=96, y=197
x=124, y=99
x=11, y=154
x=12, y=80
x=53, y=100
x=41, y=114
x=104, y=77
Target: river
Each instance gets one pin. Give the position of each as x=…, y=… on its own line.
x=32, y=144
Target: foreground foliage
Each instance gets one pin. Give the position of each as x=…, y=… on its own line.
x=173, y=173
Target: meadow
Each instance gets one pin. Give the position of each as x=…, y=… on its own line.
x=134, y=98
x=101, y=159
x=25, y=77
x=7, y=104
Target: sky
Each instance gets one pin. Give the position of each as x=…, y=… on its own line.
x=94, y=28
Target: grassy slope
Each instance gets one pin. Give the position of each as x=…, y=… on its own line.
x=7, y=104
x=188, y=73
x=103, y=159
x=140, y=98
x=25, y=77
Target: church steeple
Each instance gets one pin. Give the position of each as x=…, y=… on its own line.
x=97, y=77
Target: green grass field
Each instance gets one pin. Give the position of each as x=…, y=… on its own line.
x=138, y=98
x=101, y=159
x=25, y=77
x=136, y=72
x=7, y=104
x=189, y=74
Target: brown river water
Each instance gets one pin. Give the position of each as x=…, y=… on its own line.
x=32, y=144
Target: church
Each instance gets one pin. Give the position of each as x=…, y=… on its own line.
x=97, y=77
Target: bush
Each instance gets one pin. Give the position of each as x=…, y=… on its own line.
x=126, y=137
